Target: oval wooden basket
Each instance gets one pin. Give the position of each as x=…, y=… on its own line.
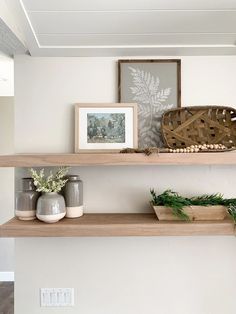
x=216, y=212
x=196, y=125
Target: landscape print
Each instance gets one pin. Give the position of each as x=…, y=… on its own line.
x=106, y=127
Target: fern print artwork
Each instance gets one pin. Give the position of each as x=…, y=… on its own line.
x=154, y=88
x=151, y=105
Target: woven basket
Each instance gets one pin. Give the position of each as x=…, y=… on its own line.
x=196, y=125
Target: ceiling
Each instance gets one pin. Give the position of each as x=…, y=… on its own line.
x=127, y=27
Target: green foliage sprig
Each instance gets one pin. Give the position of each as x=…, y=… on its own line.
x=171, y=199
x=232, y=211
x=177, y=202
x=50, y=183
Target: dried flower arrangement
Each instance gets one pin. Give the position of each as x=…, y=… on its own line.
x=50, y=183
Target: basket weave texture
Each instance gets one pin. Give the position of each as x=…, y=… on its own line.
x=196, y=125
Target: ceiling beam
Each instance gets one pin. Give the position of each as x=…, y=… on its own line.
x=11, y=39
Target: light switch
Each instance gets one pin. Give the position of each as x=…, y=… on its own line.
x=57, y=297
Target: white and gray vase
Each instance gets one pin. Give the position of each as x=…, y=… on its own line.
x=73, y=193
x=25, y=205
x=51, y=207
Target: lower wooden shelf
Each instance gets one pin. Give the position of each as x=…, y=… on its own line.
x=111, y=225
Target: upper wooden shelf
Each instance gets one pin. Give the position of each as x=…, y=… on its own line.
x=115, y=225
x=116, y=159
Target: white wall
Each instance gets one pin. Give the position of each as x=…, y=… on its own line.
x=6, y=75
x=6, y=182
x=122, y=275
x=6, y=147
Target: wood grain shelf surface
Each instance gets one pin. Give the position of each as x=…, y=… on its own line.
x=116, y=159
x=112, y=225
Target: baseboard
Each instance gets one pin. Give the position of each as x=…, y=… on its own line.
x=6, y=276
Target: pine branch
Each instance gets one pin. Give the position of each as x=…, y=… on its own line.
x=207, y=200
x=232, y=212
x=176, y=202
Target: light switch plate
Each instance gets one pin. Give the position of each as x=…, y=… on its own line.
x=56, y=297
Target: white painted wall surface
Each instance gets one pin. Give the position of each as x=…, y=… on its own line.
x=6, y=147
x=6, y=182
x=177, y=275
x=6, y=75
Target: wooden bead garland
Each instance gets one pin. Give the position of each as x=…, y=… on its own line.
x=197, y=148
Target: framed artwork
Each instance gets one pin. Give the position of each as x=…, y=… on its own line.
x=105, y=127
x=156, y=87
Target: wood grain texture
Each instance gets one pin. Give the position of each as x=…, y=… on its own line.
x=6, y=297
x=116, y=159
x=203, y=213
x=115, y=225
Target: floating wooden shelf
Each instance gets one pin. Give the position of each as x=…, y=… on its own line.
x=114, y=225
x=116, y=159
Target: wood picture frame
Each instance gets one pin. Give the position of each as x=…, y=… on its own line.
x=105, y=127
x=155, y=84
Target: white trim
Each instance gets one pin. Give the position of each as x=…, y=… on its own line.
x=137, y=46
x=6, y=276
x=29, y=22
x=142, y=34
x=129, y=10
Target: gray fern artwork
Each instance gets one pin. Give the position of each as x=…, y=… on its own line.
x=153, y=100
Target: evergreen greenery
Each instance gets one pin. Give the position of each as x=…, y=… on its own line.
x=177, y=202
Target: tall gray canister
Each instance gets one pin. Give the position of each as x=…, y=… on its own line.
x=73, y=193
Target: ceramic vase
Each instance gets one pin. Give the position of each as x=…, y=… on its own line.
x=50, y=207
x=73, y=193
x=25, y=205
